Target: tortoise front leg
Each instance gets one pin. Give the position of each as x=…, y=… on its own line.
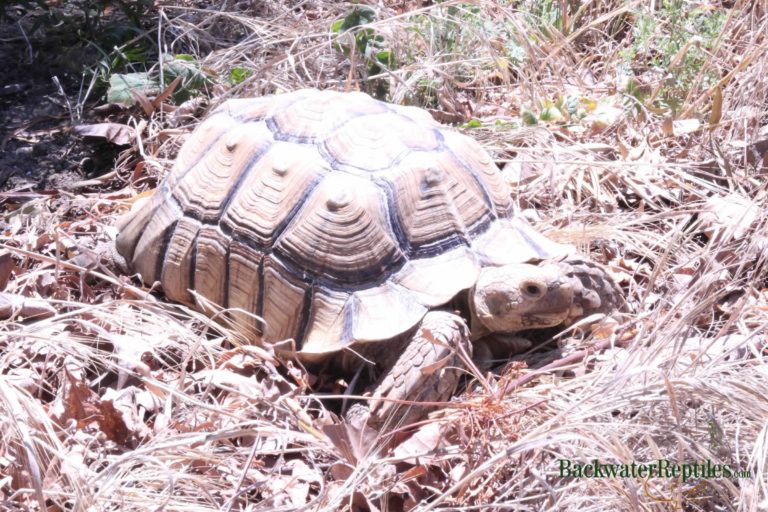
x=427, y=371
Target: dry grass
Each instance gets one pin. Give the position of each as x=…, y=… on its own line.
x=120, y=402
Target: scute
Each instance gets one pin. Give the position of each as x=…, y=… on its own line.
x=149, y=232
x=177, y=276
x=204, y=189
x=338, y=319
x=438, y=204
x=376, y=142
x=198, y=145
x=284, y=298
x=319, y=113
x=514, y=241
x=373, y=310
x=257, y=109
x=336, y=218
x=211, y=264
x=476, y=162
x=435, y=280
x=271, y=191
x=330, y=325
x=244, y=280
x=342, y=232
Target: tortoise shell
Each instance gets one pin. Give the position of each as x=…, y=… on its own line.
x=335, y=217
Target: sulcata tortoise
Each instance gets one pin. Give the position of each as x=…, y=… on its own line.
x=345, y=223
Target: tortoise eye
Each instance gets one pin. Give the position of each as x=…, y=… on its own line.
x=533, y=289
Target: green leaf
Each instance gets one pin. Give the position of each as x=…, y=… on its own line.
x=360, y=15
x=192, y=77
x=121, y=85
x=529, y=118
x=551, y=114
x=472, y=123
x=384, y=56
x=239, y=75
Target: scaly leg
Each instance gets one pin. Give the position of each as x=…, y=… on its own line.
x=427, y=371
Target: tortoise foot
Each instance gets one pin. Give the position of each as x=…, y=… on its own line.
x=426, y=374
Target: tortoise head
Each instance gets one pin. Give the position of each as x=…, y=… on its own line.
x=522, y=296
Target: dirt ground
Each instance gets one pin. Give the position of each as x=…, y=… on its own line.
x=39, y=89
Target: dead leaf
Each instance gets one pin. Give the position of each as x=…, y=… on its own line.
x=303, y=476
x=353, y=443
x=112, y=424
x=729, y=217
x=245, y=385
x=685, y=126
x=420, y=447
x=187, y=111
x=116, y=133
x=167, y=92
x=122, y=414
x=6, y=267
x=76, y=401
x=603, y=116
x=666, y=126
x=757, y=154
x=717, y=107
x=143, y=100
x=678, y=127
x=12, y=305
x=443, y=117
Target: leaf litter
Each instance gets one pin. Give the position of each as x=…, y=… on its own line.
x=113, y=399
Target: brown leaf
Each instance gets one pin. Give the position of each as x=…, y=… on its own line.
x=443, y=117
x=717, y=107
x=76, y=402
x=420, y=446
x=112, y=424
x=143, y=100
x=12, y=305
x=729, y=217
x=187, y=111
x=757, y=154
x=6, y=267
x=302, y=477
x=685, y=126
x=353, y=443
x=167, y=92
x=341, y=471
x=666, y=126
x=116, y=133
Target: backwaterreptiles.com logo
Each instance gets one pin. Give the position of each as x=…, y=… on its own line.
x=660, y=468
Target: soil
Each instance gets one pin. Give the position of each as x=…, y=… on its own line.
x=37, y=150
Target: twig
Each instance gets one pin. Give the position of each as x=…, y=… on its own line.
x=568, y=360
x=26, y=39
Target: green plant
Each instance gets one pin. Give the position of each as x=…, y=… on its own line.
x=553, y=14
x=673, y=45
x=356, y=39
x=182, y=67
x=238, y=75
x=460, y=42
x=193, y=78
x=91, y=20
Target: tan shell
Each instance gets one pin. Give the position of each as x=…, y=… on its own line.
x=335, y=217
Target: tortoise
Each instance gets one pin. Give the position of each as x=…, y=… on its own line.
x=348, y=225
